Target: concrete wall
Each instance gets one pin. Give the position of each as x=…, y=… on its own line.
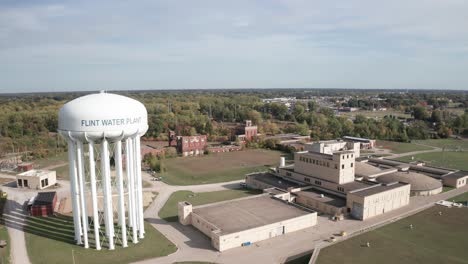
x=457, y=183
x=234, y=240
x=319, y=206
x=380, y=203
x=326, y=186
x=35, y=182
x=337, y=168
x=426, y=193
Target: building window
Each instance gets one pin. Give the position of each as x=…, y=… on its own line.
x=336, y=166
x=351, y=164
x=288, y=174
x=318, y=182
x=341, y=189
x=342, y=166
x=307, y=179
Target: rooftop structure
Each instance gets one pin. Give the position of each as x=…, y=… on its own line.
x=420, y=184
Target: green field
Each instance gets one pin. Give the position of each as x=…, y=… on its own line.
x=460, y=198
x=448, y=159
x=169, y=210
x=220, y=167
x=434, y=239
x=447, y=143
x=50, y=240
x=4, y=252
x=400, y=147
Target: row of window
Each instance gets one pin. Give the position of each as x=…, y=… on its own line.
x=316, y=162
x=347, y=156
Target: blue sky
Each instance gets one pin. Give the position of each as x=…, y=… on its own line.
x=112, y=45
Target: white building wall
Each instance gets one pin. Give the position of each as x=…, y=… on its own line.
x=234, y=240
x=380, y=203
x=338, y=168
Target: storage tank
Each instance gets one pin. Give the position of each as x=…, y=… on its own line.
x=95, y=126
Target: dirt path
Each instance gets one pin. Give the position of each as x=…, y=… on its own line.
x=14, y=217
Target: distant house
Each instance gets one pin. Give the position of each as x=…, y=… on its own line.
x=188, y=145
x=247, y=131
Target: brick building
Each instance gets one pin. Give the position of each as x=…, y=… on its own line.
x=248, y=131
x=188, y=145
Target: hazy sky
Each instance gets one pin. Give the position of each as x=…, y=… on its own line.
x=92, y=45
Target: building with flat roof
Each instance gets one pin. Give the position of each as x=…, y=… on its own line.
x=43, y=204
x=456, y=179
x=244, y=221
x=323, y=178
x=36, y=179
x=188, y=145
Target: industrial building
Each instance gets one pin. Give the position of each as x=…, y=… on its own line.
x=244, y=221
x=43, y=204
x=36, y=179
x=323, y=178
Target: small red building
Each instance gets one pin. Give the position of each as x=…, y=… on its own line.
x=25, y=166
x=43, y=204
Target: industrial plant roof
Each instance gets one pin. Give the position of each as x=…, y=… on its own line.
x=365, y=169
x=44, y=198
x=323, y=198
x=456, y=175
x=274, y=180
x=377, y=189
x=35, y=173
x=247, y=213
x=419, y=182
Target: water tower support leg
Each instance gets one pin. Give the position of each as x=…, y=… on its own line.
x=79, y=156
x=74, y=191
x=92, y=172
x=118, y=166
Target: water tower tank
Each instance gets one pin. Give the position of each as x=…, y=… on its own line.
x=95, y=126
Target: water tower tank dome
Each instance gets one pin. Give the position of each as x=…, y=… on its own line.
x=103, y=114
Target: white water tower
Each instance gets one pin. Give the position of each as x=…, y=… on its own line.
x=95, y=126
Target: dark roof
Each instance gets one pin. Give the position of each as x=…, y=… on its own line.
x=456, y=175
x=378, y=189
x=275, y=181
x=355, y=185
x=329, y=199
x=44, y=198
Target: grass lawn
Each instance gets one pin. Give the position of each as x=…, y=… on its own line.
x=448, y=159
x=50, y=240
x=219, y=167
x=4, y=252
x=447, y=188
x=460, y=198
x=51, y=160
x=169, y=210
x=400, y=147
x=434, y=239
x=448, y=143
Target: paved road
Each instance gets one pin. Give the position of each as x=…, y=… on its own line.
x=412, y=153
